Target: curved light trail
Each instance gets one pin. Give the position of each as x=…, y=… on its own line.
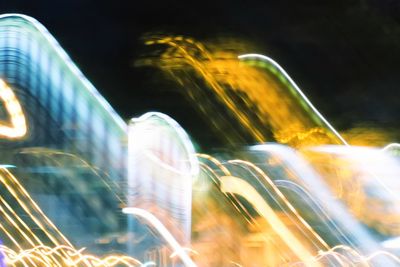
x=18, y=127
x=154, y=222
x=300, y=92
x=234, y=185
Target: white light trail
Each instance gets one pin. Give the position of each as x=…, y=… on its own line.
x=154, y=222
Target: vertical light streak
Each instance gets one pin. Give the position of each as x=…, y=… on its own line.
x=161, y=169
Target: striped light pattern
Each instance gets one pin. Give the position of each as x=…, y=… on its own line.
x=66, y=109
x=161, y=168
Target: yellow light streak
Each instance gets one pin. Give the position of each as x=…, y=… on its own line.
x=234, y=185
x=29, y=206
x=180, y=44
x=215, y=178
x=18, y=126
x=262, y=174
x=259, y=100
x=282, y=197
x=13, y=186
x=44, y=254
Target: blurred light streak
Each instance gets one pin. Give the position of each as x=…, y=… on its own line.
x=16, y=227
x=2, y=257
x=181, y=44
x=248, y=192
x=391, y=146
x=347, y=256
x=215, y=161
x=367, y=135
x=7, y=166
x=65, y=109
x=13, y=186
x=21, y=19
x=18, y=126
x=45, y=255
x=51, y=153
x=260, y=101
x=393, y=243
x=175, y=253
x=323, y=190
x=208, y=57
x=265, y=177
x=216, y=179
x=226, y=75
x=319, y=211
x=161, y=168
x=30, y=207
x=235, y=185
x=163, y=231
x=302, y=95
x=301, y=168
x=367, y=177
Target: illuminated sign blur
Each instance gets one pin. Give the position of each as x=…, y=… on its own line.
x=17, y=128
x=161, y=168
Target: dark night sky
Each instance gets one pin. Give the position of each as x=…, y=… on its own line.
x=344, y=54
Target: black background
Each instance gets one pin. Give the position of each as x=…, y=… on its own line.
x=345, y=55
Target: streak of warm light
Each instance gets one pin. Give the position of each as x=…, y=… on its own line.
x=18, y=126
x=44, y=256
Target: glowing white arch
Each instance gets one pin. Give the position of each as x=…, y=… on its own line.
x=182, y=136
x=391, y=146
